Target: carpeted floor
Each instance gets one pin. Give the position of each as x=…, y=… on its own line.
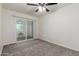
x=37, y=48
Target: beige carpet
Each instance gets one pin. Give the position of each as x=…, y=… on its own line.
x=37, y=48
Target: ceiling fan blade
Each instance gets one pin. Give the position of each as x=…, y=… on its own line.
x=32, y=4
x=48, y=4
x=36, y=10
x=47, y=10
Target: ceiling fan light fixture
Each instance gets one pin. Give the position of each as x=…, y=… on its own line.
x=44, y=8
x=40, y=8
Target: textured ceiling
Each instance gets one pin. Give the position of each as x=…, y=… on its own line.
x=23, y=8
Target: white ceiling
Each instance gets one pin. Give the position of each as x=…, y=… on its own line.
x=23, y=8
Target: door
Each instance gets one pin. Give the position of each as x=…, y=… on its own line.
x=29, y=29
x=21, y=29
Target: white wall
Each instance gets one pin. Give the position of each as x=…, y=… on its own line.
x=9, y=25
x=0, y=29
x=61, y=27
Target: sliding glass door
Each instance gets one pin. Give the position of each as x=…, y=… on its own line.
x=24, y=29
x=29, y=29
x=21, y=29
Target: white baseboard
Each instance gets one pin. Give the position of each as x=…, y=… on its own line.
x=63, y=45
x=1, y=48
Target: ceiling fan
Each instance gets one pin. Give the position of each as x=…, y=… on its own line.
x=42, y=6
